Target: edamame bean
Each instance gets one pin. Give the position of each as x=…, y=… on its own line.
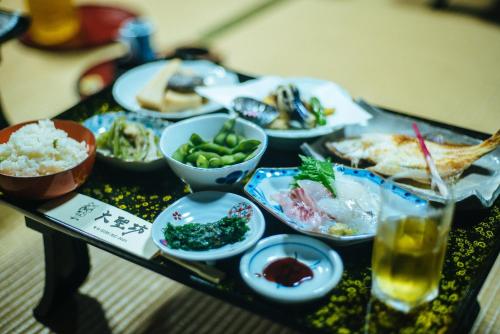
x=194, y=156
x=214, y=163
x=232, y=158
x=231, y=140
x=220, y=138
x=201, y=162
x=247, y=145
x=181, y=153
x=212, y=147
x=226, y=129
x=250, y=156
x=228, y=125
x=196, y=139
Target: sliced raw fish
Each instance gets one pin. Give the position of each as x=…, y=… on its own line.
x=315, y=190
x=301, y=208
x=366, y=196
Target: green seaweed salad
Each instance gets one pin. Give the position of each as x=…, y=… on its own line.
x=200, y=237
x=226, y=148
x=129, y=141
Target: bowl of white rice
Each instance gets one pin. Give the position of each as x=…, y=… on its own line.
x=45, y=159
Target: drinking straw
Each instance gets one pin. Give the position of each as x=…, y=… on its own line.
x=434, y=174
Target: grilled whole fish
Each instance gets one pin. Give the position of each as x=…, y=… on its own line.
x=401, y=154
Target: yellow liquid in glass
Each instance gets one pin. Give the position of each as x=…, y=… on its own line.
x=407, y=259
x=53, y=21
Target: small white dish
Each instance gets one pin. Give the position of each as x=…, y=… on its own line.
x=205, y=207
x=207, y=127
x=101, y=123
x=323, y=261
x=128, y=85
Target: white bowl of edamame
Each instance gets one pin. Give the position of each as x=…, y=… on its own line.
x=213, y=151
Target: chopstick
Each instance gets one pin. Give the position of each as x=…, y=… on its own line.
x=435, y=177
x=205, y=271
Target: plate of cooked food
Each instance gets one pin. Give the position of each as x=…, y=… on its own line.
x=207, y=226
x=128, y=140
x=388, y=146
x=321, y=199
x=166, y=88
x=291, y=110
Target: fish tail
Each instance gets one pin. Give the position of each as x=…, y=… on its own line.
x=491, y=143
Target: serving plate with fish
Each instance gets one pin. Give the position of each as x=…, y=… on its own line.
x=345, y=217
x=291, y=110
x=387, y=146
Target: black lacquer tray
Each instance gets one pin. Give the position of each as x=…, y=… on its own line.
x=473, y=246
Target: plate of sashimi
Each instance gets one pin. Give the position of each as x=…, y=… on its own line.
x=326, y=200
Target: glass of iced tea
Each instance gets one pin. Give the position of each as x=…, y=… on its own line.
x=409, y=248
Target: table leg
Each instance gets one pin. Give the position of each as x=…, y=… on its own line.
x=67, y=265
x=440, y=3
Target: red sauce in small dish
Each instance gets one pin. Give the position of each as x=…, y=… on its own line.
x=287, y=271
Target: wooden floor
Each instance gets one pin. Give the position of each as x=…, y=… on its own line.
x=396, y=53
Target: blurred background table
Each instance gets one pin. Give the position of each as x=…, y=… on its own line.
x=394, y=53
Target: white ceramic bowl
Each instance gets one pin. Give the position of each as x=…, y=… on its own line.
x=207, y=127
x=324, y=263
x=204, y=207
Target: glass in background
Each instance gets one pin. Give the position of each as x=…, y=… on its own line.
x=409, y=249
x=53, y=21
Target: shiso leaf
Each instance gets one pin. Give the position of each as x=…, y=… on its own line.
x=315, y=170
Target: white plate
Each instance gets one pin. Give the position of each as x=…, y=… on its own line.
x=330, y=94
x=323, y=261
x=131, y=82
x=205, y=207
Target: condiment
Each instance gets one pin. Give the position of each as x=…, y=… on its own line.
x=287, y=271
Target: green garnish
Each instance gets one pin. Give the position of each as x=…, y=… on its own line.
x=200, y=237
x=318, y=110
x=319, y=171
x=54, y=143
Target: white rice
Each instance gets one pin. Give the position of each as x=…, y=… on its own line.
x=40, y=149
